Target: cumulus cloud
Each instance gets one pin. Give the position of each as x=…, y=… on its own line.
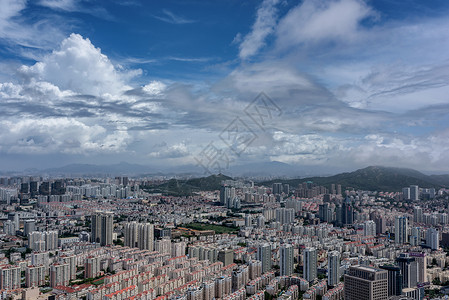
x=79, y=67
x=263, y=26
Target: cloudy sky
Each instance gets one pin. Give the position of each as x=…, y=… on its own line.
x=338, y=83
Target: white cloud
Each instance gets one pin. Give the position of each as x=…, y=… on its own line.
x=322, y=20
x=169, y=17
x=261, y=29
x=80, y=67
x=59, y=135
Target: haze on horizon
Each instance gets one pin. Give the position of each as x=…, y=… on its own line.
x=345, y=83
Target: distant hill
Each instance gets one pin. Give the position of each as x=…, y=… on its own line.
x=375, y=178
x=186, y=187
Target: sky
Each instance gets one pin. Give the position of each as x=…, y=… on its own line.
x=342, y=84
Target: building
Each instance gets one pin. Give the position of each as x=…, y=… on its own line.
x=406, y=193
x=417, y=214
x=366, y=283
x=432, y=238
x=333, y=268
x=43, y=240
x=394, y=279
x=347, y=213
x=421, y=265
x=414, y=193
x=400, y=230
x=277, y=188
x=59, y=274
x=35, y=276
x=102, y=227
x=139, y=235
x=310, y=264
x=409, y=270
x=10, y=277
x=264, y=255
x=226, y=257
x=92, y=267
x=286, y=260
x=369, y=228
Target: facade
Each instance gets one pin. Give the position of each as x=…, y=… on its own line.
x=102, y=227
x=286, y=261
x=139, y=235
x=366, y=283
x=264, y=255
x=400, y=230
x=310, y=264
x=333, y=268
x=226, y=257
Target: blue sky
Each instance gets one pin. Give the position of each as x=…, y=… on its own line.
x=350, y=83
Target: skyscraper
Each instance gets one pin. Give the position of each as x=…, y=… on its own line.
x=366, y=283
x=369, y=228
x=102, y=227
x=414, y=192
x=400, y=230
x=406, y=193
x=417, y=214
x=409, y=270
x=310, y=264
x=394, y=279
x=347, y=212
x=286, y=261
x=433, y=238
x=264, y=255
x=139, y=235
x=277, y=188
x=333, y=268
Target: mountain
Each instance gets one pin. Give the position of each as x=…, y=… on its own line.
x=375, y=178
x=186, y=187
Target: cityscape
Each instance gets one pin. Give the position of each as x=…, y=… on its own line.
x=115, y=238
x=224, y=150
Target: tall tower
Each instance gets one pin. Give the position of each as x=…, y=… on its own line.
x=333, y=268
x=400, y=230
x=409, y=270
x=101, y=228
x=286, y=260
x=414, y=192
x=433, y=238
x=264, y=255
x=310, y=262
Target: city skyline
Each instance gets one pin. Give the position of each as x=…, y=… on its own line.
x=345, y=84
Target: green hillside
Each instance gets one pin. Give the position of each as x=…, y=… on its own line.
x=375, y=178
x=187, y=187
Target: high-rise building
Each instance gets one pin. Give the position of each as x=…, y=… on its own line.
x=102, y=227
x=43, y=240
x=324, y=212
x=226, y=257
x=365, y=283
x=369, y=228
x=400, y=230
x=178, y=249
x=71, y=260
x=381, y=225
x=409, y=270
x=310, y=264
x=59, y=274
x=394, y=279
x=333, y=268
x=406, y=193
x=433, y=238
x=417, y=214
x=163, y=246
x=248, y=220
x=347, y=212
x=92, y=267
x=286, y=261
x=285, y=215
x=10, y=277
x=264, y=255
x=414, y=192
x=421, y=265
x=277, y=188
x=34, y=276
x=139, y=235
x=29, y=226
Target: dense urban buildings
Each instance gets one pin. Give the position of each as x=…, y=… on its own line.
x=112, y=239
